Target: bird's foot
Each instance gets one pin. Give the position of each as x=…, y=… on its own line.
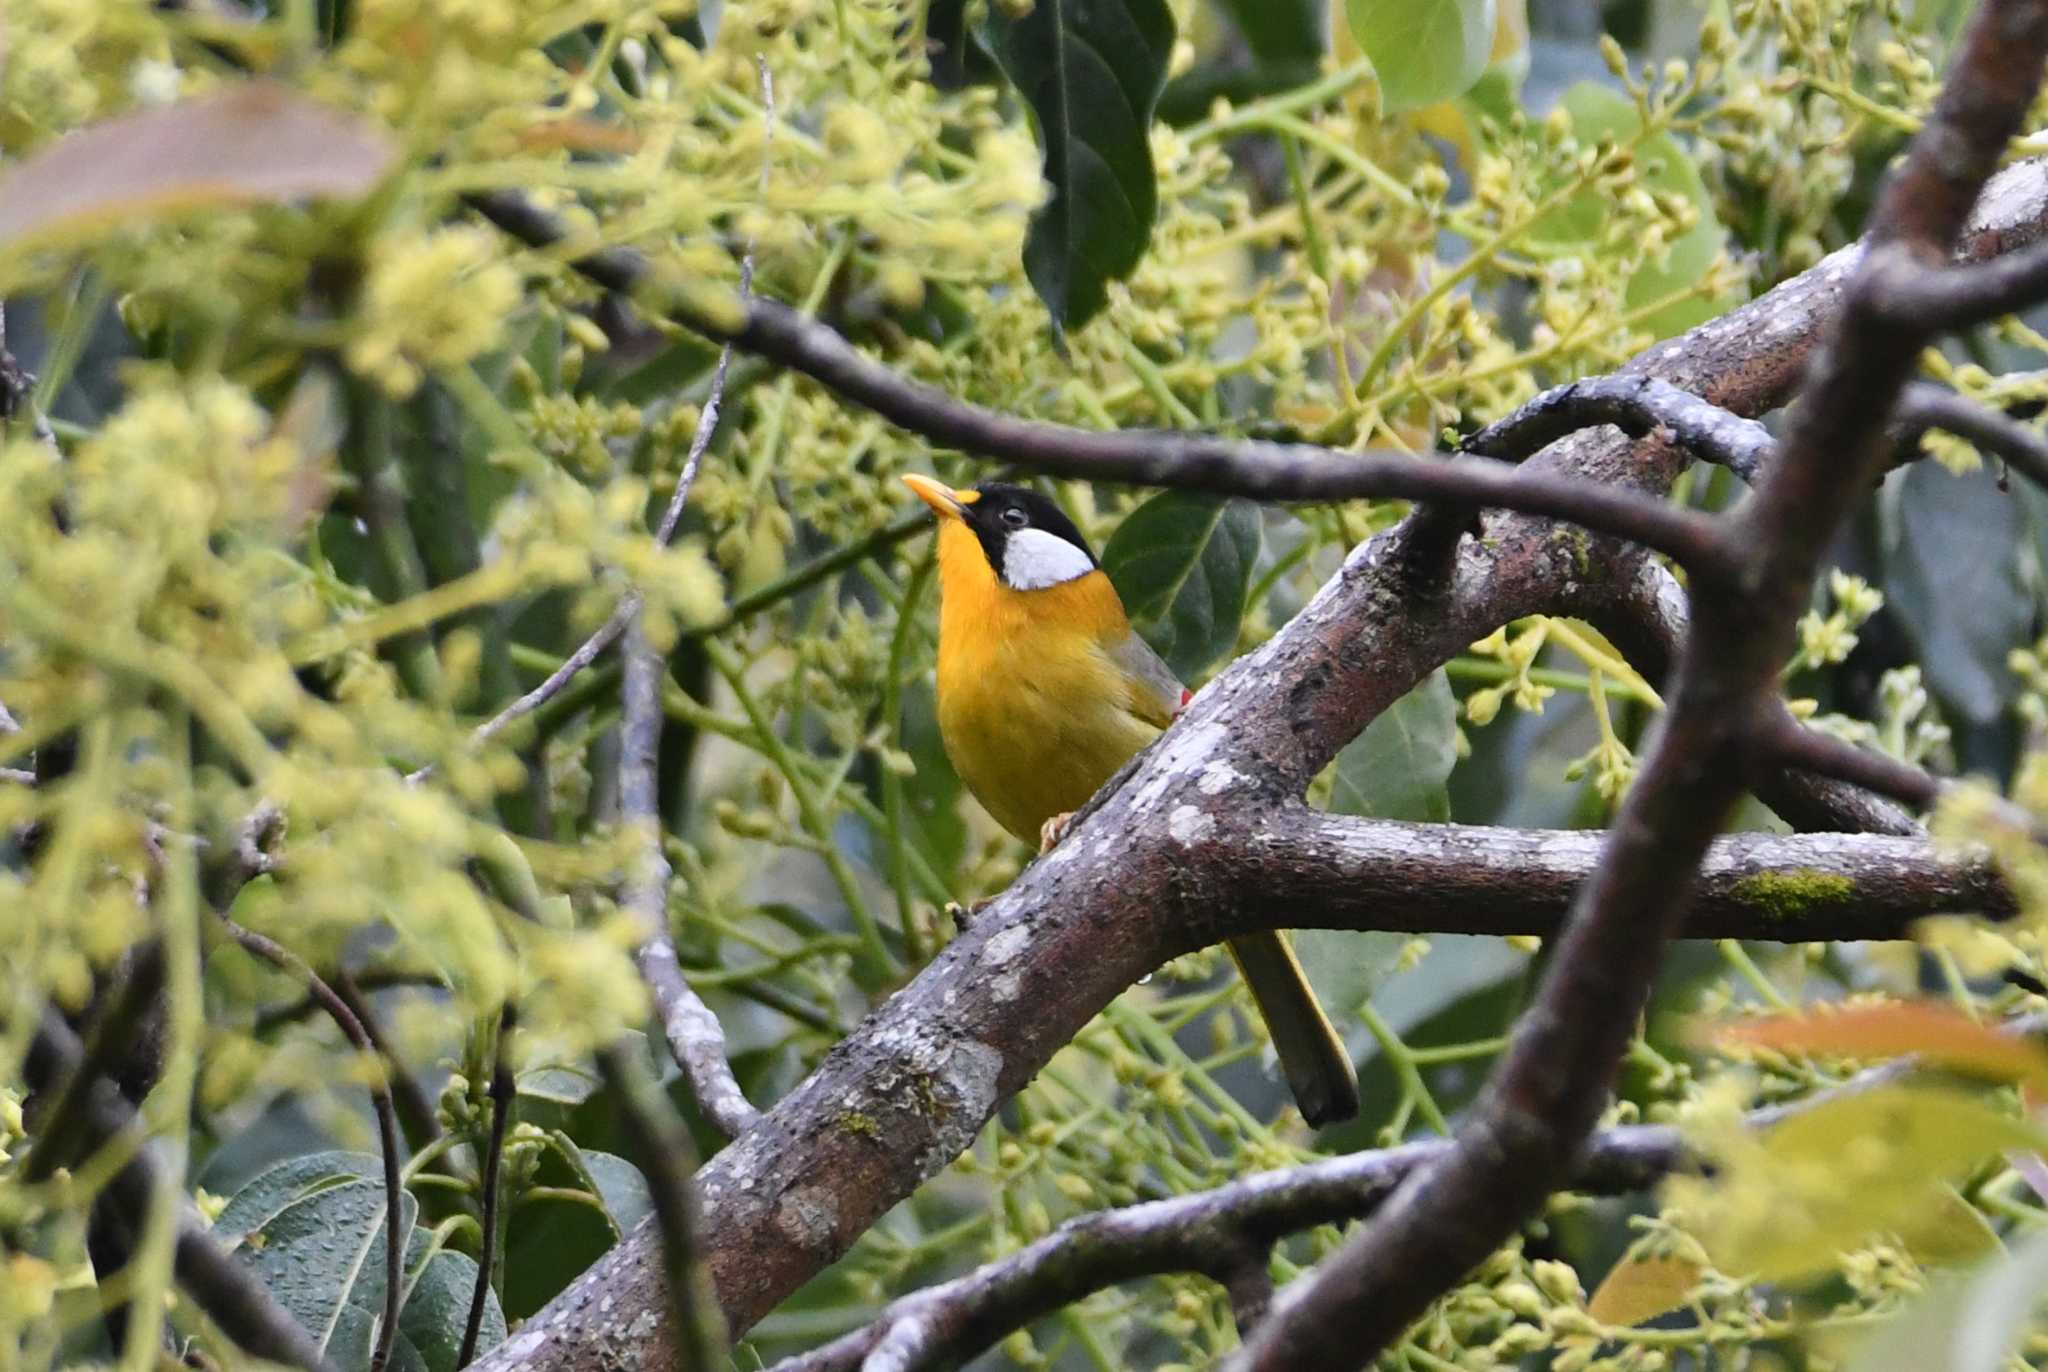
x=963, y=915
x=1053, y=830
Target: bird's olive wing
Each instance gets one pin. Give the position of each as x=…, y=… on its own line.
x=1155, y=693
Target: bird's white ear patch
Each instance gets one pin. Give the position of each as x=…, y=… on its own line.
x=1034, y=559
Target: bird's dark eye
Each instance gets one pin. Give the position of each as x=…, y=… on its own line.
x=1015, y=517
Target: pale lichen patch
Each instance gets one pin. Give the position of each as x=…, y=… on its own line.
x=1190, y=824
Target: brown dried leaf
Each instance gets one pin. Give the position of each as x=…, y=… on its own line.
x=252, y=142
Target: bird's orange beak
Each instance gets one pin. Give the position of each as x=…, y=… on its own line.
x=945, y=501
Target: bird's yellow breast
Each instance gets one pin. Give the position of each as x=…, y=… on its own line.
x=1034, y=713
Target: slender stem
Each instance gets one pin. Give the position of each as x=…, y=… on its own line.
x=285, y=960
x=503, y=1098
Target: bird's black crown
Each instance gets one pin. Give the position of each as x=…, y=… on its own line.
x=1004, y=509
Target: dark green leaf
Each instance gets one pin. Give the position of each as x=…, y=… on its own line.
x=437, y=1309
x=1347, y=967
x=1423, y=51
x=322, y=1256
x=1183, y=564
x=1091, y=70
x=267, y=1193
x=956, y=59
x=1397, y=768
x=1951, y=575
x=616, y=1183
x=1278, y=30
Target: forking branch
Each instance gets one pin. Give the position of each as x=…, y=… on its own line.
x=799, y=1187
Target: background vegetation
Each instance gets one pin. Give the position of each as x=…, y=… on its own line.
x=317, y=472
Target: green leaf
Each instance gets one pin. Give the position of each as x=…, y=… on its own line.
x=1599, y=112
x=1183, y=564
x=437, y=1309
x=1833, y=1178
x=617, y=1183
x=1423, y=51
x=1397, y=768
x=1965, y=611
x=264, y=1196
x=322, y=1257
x=1091, y=70
x=1965, y=1322
x=1278, y=30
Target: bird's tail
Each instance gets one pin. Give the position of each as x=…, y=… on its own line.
x=1312, y=1057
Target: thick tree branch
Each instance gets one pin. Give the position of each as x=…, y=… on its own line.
x=1331, y=871
x=1519, y=1142
x=851, y=1141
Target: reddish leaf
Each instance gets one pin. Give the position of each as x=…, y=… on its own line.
x=252, y=142
x=1937, y=1034
x=1644, y=1289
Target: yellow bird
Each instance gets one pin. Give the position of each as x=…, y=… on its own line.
x=1045, y=691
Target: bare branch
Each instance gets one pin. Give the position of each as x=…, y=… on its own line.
x=1646, y=617
x=1331, y=871
x=693, y=1033
x=1637, y=405
x=285, y=960
x=2020, y=446
x=1959, y=298
x=1187, y=461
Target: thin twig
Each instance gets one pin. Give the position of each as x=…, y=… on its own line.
x=670, y=1163
x=503, y=1095
x=629, y=605
x=692, y=1031
x=285, y=960
x=2020, y=446
x=694, y=1035
x=231, y=1297
x=1255, y=468
x=415, y=1107
x=1636, y=404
